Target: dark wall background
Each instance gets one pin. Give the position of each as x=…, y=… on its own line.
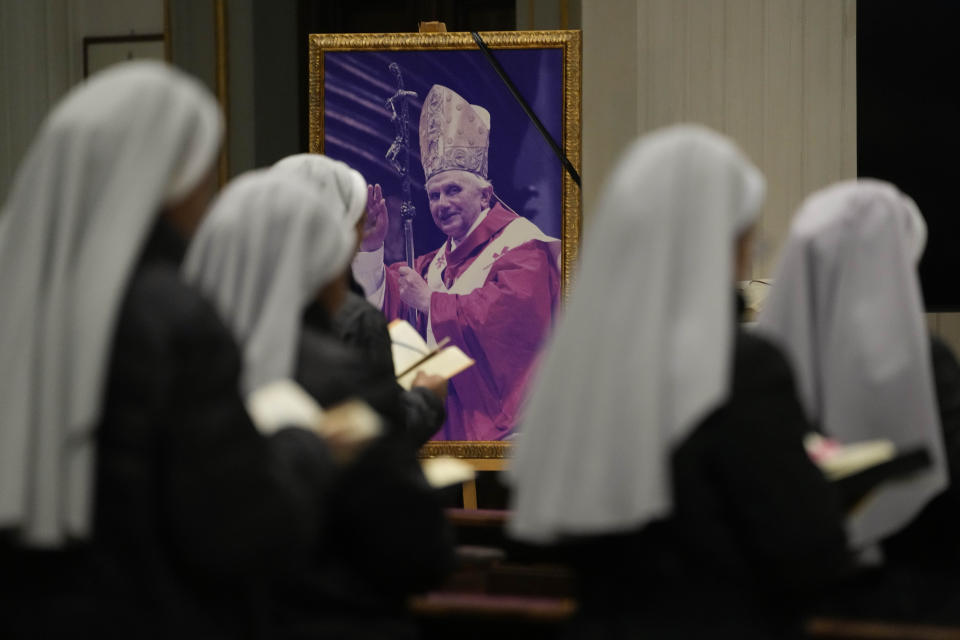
x=908, y=122
x=388, y=16
x=266, y=42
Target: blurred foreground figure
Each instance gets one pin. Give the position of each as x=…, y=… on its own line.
x=846, y=306
x=136, y=497
x=271, y=246
x=662, y=446
x=354, y=338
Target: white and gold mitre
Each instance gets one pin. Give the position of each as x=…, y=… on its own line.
x=454, y=134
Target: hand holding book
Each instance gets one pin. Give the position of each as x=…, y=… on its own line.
x=858, y=469
x=838, y=460
x=434, y=383
x=445, y=471
x=411, y=356
x=346, y=428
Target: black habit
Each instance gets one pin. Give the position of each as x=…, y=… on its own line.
x=385, y=532
x=349, y=355
x=195, y=511
x=755, y=527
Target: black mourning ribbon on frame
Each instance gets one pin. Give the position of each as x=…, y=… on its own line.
x=526, y=107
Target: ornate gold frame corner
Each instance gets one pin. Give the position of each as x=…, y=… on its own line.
x=483, y=455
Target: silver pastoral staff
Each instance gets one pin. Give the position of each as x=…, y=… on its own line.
x=401, y=144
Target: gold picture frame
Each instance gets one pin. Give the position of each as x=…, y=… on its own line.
x=483, y=454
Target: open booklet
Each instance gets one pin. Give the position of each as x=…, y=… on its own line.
x=840, y=460
x=411, y=355
x=445, y=471
x=284, y=403
x=857, y=469
x=347, y=427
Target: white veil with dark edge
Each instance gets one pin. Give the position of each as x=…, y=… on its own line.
x=643, y=351
x=847, y=309
x=268, y=245
x=110, y=155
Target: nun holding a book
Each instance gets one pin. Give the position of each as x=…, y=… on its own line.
x=271, y=246
x=662, y=447
x=137, y=498
x=350, y=337
x=847, y=308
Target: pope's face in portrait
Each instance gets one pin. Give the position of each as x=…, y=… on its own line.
x=456, y=200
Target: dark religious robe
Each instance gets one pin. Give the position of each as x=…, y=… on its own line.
x=361, y=326
x=756, y=532
x=918, y=579
x=196, y=513
x=494, y=297
x=333, y=370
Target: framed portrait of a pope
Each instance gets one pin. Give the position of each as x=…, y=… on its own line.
x=470, y=144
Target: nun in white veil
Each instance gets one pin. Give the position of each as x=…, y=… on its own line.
x=274, y=246
x=662, y=444
x=108, y=158
x=270, y=245
x=357, y=323
x=137, y=499
x=847, y=309
x=333, y=180
x=643, y=352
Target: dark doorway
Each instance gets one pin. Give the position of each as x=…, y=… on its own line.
x=908, y=122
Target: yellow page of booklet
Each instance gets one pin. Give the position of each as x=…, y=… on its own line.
x=448, y=363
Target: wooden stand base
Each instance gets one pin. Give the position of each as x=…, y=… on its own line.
x=433, y=27
x=479, y=464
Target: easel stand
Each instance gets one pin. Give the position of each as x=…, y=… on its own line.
x=479, y=464
x=470, y=487
x=433, y=27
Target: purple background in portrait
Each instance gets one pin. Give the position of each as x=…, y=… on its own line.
x=526, y=174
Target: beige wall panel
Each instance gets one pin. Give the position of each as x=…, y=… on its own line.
x=643, y=53
x=745, y=90
x=822, y=93
x=779, y=76
x=610, y=77
x=41, y=56
x=782, y=159
x=849, y=89
x=948, y=328
x=705, y=46
x=663, y=86
x=109, y=18
x=548, y=14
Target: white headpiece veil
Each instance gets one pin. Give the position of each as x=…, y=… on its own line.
x=104, y=163
x=333, y=180
x=846, y=307
x=263, y=253
x=643, y=352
